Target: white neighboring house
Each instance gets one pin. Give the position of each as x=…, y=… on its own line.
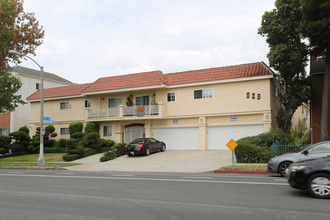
x=31, y=80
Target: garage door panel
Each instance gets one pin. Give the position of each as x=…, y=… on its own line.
x=218, y=137
x=177, y=138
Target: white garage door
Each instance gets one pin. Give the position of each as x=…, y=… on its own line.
x=218, y=137
x=177, y=138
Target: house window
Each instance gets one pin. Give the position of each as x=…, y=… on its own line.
x=203, y=94
x=115, y=102
x=306, y=113
x=276, y=92
x=64, y=131
x=142, y=100
x=87, y=103
x=107, y=131
x=171, y=97
x=4, y=131
x=37, y=86
x=65, y=105
x=302, y=110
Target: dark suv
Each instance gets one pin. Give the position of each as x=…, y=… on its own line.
x=313, y=175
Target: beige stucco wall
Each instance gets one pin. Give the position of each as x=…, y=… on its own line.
x=229, y=99
x=302, y=112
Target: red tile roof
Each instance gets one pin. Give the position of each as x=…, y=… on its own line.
x=157, y=78
x=219, y=73
x=62, y=91
x=127, y=81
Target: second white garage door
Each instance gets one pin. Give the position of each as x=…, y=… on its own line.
x=177, y=138
x=218, y=137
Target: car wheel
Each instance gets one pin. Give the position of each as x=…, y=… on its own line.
x=283, y=167
x=319, y=185
x=130, y=155
x=162, y=149
x=148, y=151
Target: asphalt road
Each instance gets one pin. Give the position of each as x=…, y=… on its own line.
x=40, y=194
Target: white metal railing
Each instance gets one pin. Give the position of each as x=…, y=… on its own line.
x=103, y=113
x=126, y=111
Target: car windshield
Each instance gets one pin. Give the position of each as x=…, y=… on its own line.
x=138, y=141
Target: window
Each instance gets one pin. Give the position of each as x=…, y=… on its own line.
x=320, y=148
x=142, y=100
x=4, y=131
x=65, y=105
x=306, y=113
x=37, y=86
x=107, y=131
x=203, y=94
x=302, y=110
x=115, y=102
x=171, y=97
x=65, y=131
x=87, y=103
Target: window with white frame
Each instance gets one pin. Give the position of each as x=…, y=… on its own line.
x=107, y=131
x=4, y=131
x=64, y=131
x=65, y=105
x=171, y=97
x=87, y=103
x=115, y=102
x=203, y=94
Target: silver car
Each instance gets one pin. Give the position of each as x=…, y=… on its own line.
x=280, y=163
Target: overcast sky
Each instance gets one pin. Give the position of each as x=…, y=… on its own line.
x=88, y=39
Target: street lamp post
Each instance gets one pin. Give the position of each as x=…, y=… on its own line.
x=41, y=159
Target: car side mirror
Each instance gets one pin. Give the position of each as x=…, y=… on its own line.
x=305, y=152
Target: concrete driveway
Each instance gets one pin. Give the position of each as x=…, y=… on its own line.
x=168, y=161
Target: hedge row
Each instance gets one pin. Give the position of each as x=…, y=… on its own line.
x=116, y=151
x=256, y=149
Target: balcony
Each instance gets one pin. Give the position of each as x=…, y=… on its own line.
x=126, y=112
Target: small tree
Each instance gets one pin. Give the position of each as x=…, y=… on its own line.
x=300, y=135
x=75, y=127
x=20, y=140
x=92, y=127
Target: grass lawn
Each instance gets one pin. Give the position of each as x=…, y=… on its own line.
x=245, y=167
x=49, y=157
x=28, y=164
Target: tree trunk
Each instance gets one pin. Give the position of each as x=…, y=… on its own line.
x=325, y=99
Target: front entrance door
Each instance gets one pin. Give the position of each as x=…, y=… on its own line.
x=133, y=132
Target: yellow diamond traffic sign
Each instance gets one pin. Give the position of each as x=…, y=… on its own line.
x=232, y=145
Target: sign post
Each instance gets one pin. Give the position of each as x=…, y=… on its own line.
x=232, y=145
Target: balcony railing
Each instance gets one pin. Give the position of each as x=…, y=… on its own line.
x=138, y=111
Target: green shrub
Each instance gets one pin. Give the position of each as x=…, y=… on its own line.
x=120, y=149
x=54, y=150
x=256, y=149
x=75, y=127
x=77, y=135
x=92, y=140
x=33, y=149
x=25, y=129
x=89, y=151
x=92, y=127
x=20, y=141
x=112, y=154
x=3, y=150
x=60, y=143
x=106, y=144
x=71, y=157
x=4, y=143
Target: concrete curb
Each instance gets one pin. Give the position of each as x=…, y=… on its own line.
x=243, y=172
x=32, y=168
